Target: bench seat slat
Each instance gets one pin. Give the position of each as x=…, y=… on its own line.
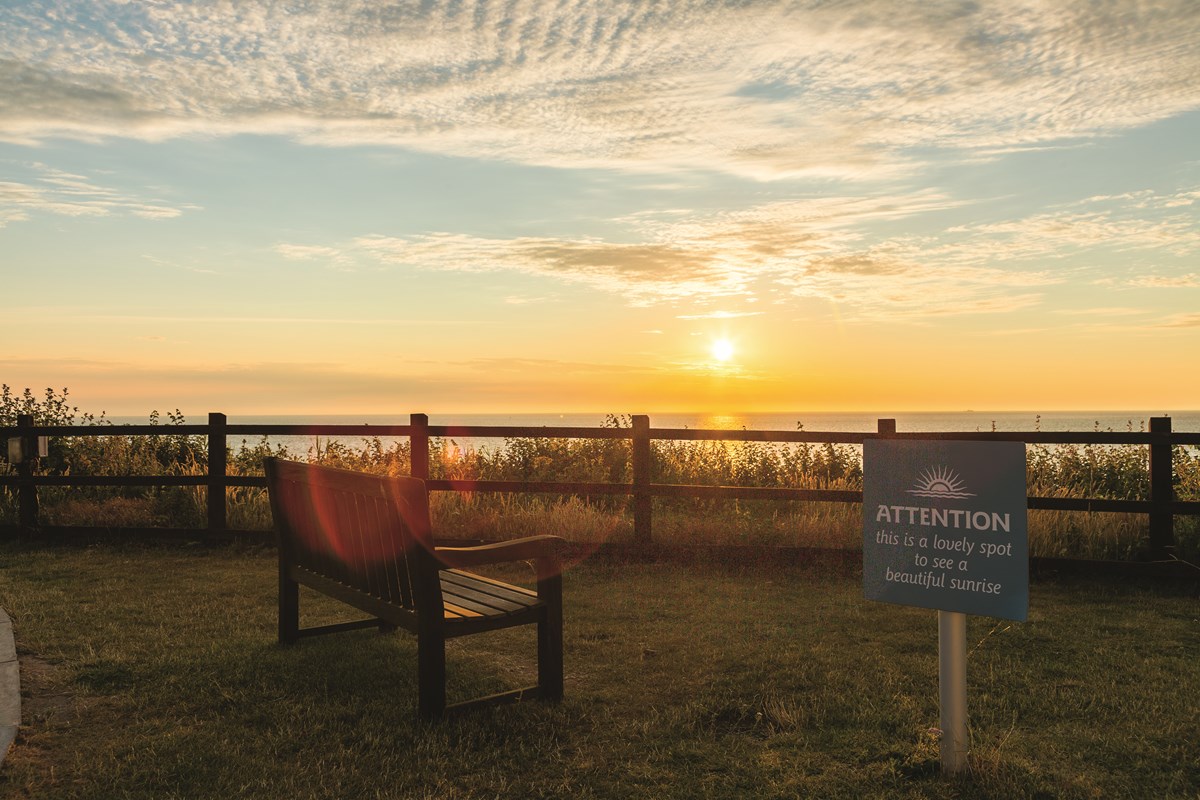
x=484, y=607
x=478, y=578
x=459, y=601
x=485, y=593
x=453, y=611
x=518, y=594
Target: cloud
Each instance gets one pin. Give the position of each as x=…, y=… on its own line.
x=1189, y=281
x=721, y=315
x=804, y=247
x=1106, y=311
x=534, y=366
x=274, y=320
x=54, y=191
x=302, y=252
x=882, y=285
x=763, y=89
x=1054, y=235
x=643, y=273
x=1182, y=321
x=831, y=247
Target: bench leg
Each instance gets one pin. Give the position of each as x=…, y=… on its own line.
x=289, y=609
x=550, y=640
x=431, y=676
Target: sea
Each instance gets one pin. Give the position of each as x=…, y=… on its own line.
x=813, y=421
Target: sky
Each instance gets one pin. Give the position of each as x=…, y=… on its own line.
x=589, y=205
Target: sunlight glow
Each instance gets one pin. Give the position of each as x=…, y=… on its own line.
x=722, y=349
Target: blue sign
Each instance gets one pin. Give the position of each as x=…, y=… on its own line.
x=945, y=526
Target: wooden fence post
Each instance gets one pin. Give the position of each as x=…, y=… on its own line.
x=1162, y=490
x=885, y=426
x=418, y=448
x=217, y=468
x=642, y=522
x=27, y=495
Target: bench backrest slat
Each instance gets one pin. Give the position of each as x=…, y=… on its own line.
x=365, y=531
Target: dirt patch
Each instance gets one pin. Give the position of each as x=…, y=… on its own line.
x=46, y=698
x=56, y=722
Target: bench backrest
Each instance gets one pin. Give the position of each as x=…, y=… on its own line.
x=366, y=531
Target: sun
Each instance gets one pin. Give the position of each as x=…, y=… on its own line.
x=722, y=349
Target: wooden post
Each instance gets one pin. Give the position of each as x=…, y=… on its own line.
x=217, y=467
x=27, y=496
x=1162, y=491
x=419, y=446
x=642, y=524
x=886, y=426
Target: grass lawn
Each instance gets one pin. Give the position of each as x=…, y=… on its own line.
x=154, y=673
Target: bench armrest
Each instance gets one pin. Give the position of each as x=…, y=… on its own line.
x=543, y=549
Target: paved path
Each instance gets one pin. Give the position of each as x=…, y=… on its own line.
x=10, y=686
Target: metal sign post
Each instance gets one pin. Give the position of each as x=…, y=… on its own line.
x=952, y=688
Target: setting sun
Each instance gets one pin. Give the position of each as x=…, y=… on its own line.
x=722, y=350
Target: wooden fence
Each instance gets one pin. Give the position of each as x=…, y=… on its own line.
x=1161, y=506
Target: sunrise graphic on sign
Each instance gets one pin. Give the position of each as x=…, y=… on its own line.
x=940, y=482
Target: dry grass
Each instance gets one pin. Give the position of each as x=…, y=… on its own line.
x=153, y=673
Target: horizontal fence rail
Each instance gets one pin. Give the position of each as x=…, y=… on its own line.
x=22, y=440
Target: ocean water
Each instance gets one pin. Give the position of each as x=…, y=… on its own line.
x=781, y=421
x=790, y=421
x=969, y=421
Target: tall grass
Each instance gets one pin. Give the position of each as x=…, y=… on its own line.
x=1097, y=471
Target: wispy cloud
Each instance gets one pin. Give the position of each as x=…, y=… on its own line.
x=54, y=191
x=1106, y=311
x=764, y=89
x=1054, y=235
x=280, y=320
x=305, y=252
x=642, y=272
x=816, y=248
x=827, y=247
x=721, y=315
x=1182, y=321
x=1188, y=281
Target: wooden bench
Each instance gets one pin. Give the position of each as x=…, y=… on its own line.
x=366, y=540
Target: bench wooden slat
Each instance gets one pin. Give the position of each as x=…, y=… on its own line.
x=485, y=604
x=481, y=607
x=453, y=611
x=488, y=606
x=487, y=594
x=517, y=594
